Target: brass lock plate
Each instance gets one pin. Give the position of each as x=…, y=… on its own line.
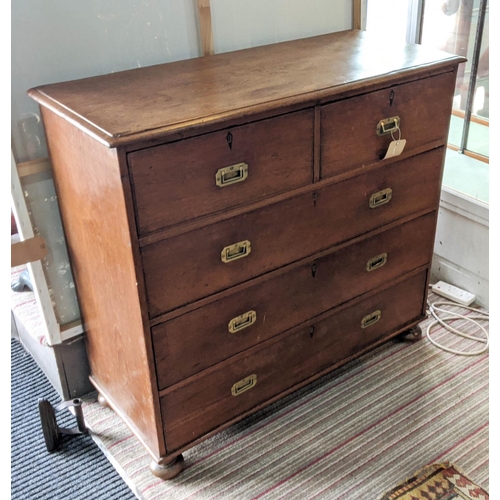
x=380, y=198
x=232, y=174
x=388, y=125
x=241, y=322
x=244, y=385
x=371, y=319
x=376, y=262
x=236, y=251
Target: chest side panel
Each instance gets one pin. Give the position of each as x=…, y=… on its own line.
x=102, y=252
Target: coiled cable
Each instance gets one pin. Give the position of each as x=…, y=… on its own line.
x=451, y=316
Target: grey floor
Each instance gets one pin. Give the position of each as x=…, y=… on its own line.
x=463, y=173
x=467, y=175
x=77, y=470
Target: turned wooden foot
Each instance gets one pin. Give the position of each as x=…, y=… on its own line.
x=412, y=335
x=168, y=470
x=103, y=401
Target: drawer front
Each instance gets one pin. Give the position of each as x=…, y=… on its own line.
x=206, y=401
x=205, y=174
x=284, y=232
x=349, y=136
x=210, y=334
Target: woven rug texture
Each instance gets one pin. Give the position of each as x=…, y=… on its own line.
x=438, y=482
x=78, y=470
x=25, y=307
x=352, y=435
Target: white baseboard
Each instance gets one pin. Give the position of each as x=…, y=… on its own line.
x=461, y=255
x=443, y=270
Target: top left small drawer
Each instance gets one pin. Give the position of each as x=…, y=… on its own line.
x=183, y=180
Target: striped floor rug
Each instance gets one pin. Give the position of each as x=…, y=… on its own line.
x=78, y=470
x=352, y=435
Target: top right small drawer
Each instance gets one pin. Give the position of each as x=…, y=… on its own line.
x=357, y=131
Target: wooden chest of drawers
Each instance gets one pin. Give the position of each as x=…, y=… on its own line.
x=235, y=227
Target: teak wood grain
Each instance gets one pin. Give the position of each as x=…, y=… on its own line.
x=205, y=27
x=197, y=340
x=135, y=155
x=206, y=401
x=285, y=232
x=101, y=247
x=176, y=182
x=148, y=103
x=349, y=127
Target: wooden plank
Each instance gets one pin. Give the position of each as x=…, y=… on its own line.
x=356, y=14
x=474, y=118
x=28, y=250
x=470, y=154
x=129, y=106
x=91, y=179
x=33, y=167
x=205, y=26
x=317, y=144
x=40, y=286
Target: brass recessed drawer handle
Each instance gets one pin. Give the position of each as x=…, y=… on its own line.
x=371, y=319
x=244, y=385
x=241, y=322
x=388, y=125
x=380, y=198
x=376, y=262
x=235, y=251
x=231, y=175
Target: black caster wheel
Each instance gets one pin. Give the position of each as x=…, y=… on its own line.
x=49, y=425
x=52, y=433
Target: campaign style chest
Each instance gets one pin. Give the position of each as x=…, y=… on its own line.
x=241, y=224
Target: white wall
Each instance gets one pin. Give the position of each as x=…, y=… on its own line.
x=59, y=40
x=239, y=24
x=461, y=251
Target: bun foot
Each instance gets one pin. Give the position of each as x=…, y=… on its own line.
x=168, y=470
x=103, y=401
x=412, y=335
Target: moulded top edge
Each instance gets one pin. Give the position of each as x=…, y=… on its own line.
x=144, y=103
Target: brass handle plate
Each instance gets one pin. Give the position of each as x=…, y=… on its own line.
x=244, y=385
x=376, y=262
x=241, y=322
x=235, y=251
x=388, y=125
x=380, y=198
x=233, y=174
x=371, y=319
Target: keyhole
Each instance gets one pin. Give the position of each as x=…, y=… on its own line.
x=391, y=97
x=229, y=140
x=315, y=197
x=313, y=269
x=311, y=331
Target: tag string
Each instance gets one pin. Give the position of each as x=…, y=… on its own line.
x=399, y=136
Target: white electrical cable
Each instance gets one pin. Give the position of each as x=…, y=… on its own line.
x=433, y=309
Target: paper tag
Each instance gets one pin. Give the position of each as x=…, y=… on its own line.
x=395, y=148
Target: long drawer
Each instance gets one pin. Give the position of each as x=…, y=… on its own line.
x=210, y=398
x=210, y=334
x=182, y=269
x=212, y=172
x=351, y=134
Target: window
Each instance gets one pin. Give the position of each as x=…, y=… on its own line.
x=460, y=27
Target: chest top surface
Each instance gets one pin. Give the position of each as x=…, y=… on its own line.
x=145, y=102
